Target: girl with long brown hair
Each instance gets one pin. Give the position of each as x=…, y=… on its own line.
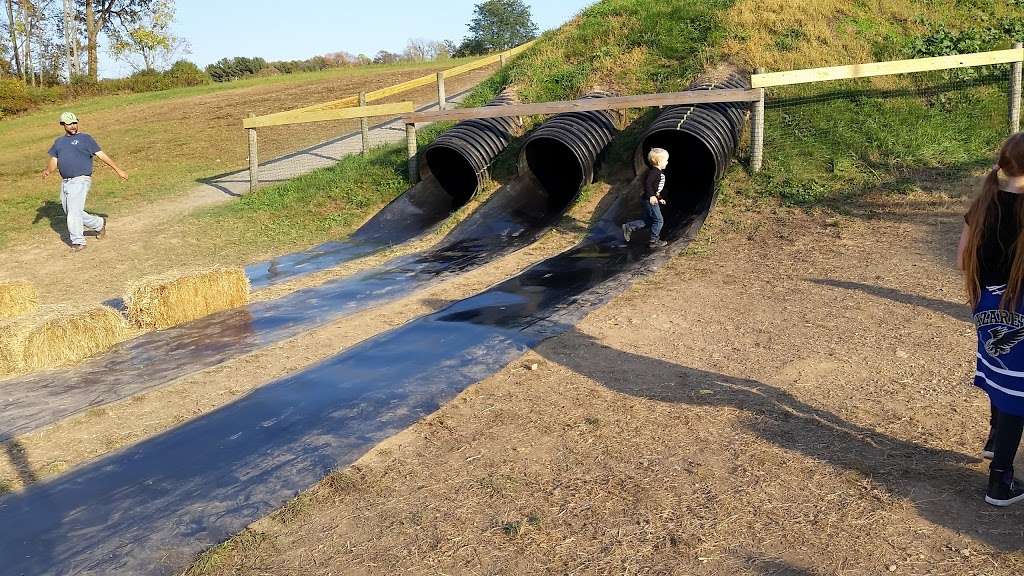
x=991, y=254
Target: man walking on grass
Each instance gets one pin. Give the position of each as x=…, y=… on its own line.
x=72, y=154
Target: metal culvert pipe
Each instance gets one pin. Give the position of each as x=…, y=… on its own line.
x=459, y=158
x=701, y=140
x=563, y=152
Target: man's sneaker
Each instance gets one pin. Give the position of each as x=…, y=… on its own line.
x=989, y=451
x=103, y=231
x=1002, y=489
x=77, y=247
x=657, y=243
x=627, y=231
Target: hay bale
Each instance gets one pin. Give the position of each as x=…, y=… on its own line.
x=171, y=299
x=56, y=336
x=17, y=298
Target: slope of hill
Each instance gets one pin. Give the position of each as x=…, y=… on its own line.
x=167, y=140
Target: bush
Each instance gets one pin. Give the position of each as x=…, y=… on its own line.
x=14, y=97
x=185, y=73
x=227, y=69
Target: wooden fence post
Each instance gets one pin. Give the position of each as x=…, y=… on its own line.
x=364, y=124
x=1015, y=88
x=254, y=162
x=442, y=100
x=410, y=143
x=757, y=132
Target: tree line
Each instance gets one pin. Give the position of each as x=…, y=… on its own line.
x=496, y=25
x=46, y=42
x=57, y=42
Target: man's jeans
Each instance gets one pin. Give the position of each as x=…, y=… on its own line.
x=73, y=192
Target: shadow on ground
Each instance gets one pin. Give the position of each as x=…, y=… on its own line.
x=16, y=454
x=938, y=483
x=955, y=310
x=53, y=213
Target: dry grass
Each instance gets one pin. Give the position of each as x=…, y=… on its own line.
x=174, y=298
x=17, y=298
x=785, y=35
x=57, y=336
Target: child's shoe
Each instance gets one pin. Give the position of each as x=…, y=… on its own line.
x=1002, y=489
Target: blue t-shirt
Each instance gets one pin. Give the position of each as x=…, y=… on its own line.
x=74, y=154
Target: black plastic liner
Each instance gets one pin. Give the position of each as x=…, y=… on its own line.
x=454, y=169
x=459, y=158
x=512, y=218
x=701, y=140
x=147, y=509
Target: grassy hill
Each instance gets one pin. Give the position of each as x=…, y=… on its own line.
x=169, y=139
x=871, y=137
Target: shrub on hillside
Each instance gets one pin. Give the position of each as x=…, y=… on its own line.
x=14, y=97
x=185, y=73
x=227, y=69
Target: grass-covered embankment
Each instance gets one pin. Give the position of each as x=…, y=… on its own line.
x=622, y=45
x=827, y=142
x=321, y=205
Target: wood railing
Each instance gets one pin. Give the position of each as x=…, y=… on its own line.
x=761, y=80
x=346, y=107
x=308, y=113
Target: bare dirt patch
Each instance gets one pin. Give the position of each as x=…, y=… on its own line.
x=791, y=396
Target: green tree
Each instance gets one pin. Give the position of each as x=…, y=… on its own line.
x=109, y=16
x=149, y=36
x=498, y=25
x=12, y=31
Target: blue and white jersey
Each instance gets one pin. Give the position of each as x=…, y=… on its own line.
x=1000, y=368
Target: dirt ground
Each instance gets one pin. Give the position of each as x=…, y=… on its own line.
x=790, y=396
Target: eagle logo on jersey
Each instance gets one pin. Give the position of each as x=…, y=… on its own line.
x=1002, y=340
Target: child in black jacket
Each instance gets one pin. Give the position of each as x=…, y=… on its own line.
x=653, y=184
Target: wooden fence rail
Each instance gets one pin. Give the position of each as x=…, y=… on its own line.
x=343, y=108
x=308, y=113
x=394, y=109
x=886, y=68
x=588, y=104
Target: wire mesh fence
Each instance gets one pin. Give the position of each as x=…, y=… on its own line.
x=846, y=136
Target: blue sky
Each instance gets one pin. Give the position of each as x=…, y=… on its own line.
x=298, y=29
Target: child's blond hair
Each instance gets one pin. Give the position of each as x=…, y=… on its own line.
x=658, y=157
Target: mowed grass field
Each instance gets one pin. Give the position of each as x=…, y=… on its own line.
x=169, y=140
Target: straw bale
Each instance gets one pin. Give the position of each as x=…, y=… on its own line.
x=17, y=298
x=55, y=336
x=176, y=298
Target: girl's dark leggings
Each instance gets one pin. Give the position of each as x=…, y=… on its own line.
x=1008, y=429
